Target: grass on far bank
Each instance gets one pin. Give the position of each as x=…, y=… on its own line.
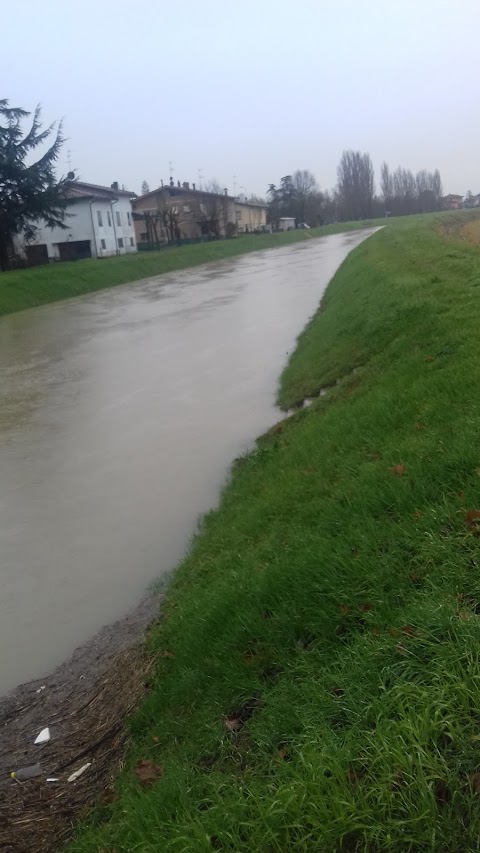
x=27, y=288
x=318, y=676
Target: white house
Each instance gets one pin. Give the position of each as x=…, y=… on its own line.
x=99, y=224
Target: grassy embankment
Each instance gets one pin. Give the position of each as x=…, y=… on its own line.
x=38, y=285
x=318, y=681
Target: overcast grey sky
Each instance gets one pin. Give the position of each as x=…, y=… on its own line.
x=253, y=88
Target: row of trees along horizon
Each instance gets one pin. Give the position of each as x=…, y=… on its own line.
x=298, y=196
x=401, y=193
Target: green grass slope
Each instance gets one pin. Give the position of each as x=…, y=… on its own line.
x=318, y=676
x=28, y=288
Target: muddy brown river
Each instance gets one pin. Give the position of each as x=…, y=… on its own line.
x=120, y=414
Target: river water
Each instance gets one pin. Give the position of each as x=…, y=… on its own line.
x=120, y=414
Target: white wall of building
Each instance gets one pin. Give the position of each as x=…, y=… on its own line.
x=104, y=234
x=79, y=227
x=123, y=221
x=108, y=226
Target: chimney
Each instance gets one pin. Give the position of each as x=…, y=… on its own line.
x=194, y=187
x=171, y=182
x=114, y=186
x=178, y=183
x=186, y=185
x=161, y=181
x=225, y=191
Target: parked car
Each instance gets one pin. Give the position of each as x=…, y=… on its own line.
x=303, y=225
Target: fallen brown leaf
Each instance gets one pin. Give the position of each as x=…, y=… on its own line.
x=147, y=772
x=232, y=724
x=167, y=653
x=398, y=470
x=472, y=516
x=344, y=608
x=108, y=796
x=429, y=358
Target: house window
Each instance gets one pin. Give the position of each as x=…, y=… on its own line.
x=128, y=218
x=131, y=241
x=109, y=219
x=119, y=221
x=99, y=217
x=186, y=208
x=120, y=241
x=103, y=244
x=144, y=236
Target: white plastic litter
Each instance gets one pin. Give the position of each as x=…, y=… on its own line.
x=52, y=778
x=74, y=776
x=43, y=687
x=43, y=737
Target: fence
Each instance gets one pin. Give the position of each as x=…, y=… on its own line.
x=183, y=241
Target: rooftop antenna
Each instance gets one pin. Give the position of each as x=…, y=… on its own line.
x=235, y=185
x=200, y=178
x=244, y=192
x=170, y=166
x=69, y=160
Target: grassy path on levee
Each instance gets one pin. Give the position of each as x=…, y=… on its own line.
x=27, y=288
x=318, y=676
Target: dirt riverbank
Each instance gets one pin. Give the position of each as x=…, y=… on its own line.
x=84, y=703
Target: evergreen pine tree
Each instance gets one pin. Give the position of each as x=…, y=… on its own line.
x=29, y=191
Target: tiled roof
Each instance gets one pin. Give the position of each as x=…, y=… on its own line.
x=81, y=189
x=176, y=191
